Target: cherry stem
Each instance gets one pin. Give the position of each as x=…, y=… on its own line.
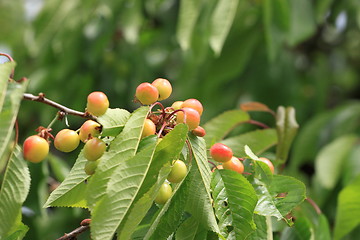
x=174, y=112
x=53, y=121
x=74, y=233
x=213, y=164
x=159, y=104
x=314, y=205
x=63, y=109
x=257, y=123
x=162, y=128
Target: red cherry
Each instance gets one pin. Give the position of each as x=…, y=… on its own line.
x=35, y=149
x=97, y=103
x=146, y=93
x=268, y=162
x=221, y=153
x=234, y=164
x=199, y=131
x=192, y=117
x=193, y=103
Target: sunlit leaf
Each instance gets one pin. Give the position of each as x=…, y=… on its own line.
x=221, y=21
x=113, y=121
x=188, y=14
x=14, y=190
x=330, y=160
x=234, y=202
x=258, y=140
x=218, y=127
x=9, y=112
x=5, y=71
x=123, y=147
x=348, y=210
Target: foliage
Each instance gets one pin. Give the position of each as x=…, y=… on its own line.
x=224, y=53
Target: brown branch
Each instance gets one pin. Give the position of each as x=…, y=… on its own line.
x=74, y=233
x=63, y=109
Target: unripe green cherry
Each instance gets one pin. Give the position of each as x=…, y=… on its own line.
x=178, y=172
x=177, y=105
x=35, y=149
x=94, y=149
x=66, y=140
x=268, y=162
x=199, y=131
x=97, y=103
x=149, y=128
x=90, y=129
x=221, y=153
x=90, y=167
x=191, y=115
x=164, y=194
x=234, y=164
x=193, y=103
x=146, y=93
x=164, y=87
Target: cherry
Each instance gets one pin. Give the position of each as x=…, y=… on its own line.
x=234, y=164
x=192, y=117
x=94, y=149
x=177, y=105
x=90, y=167
x=89, y=128
x=221, y=153
x=178, y=172
x=35, y=149
x=193, y=103
x=146, y=93
x=199, y=131
x=164, y=194
x=97, y=103
x=66, y=140
x=268, y=162
x=149, y=128
x=164, y=87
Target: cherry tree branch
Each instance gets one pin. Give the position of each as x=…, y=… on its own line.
x=41, y=98
x=74, y=233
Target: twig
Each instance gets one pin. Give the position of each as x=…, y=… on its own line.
x=74, y=233
x=66, y=110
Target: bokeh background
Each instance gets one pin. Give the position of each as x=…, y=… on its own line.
x=304, y=54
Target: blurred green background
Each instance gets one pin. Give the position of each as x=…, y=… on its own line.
x=304, y=54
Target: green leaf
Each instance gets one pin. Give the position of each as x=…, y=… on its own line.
x=71, y=192
x=250, y=153
x=188, y=15
x=348, y=210
x=19, y=232
x=199, y=204
x=330, y=160
x=302, y=21
x=5, y=71
x=123, y=147
x=14, y=190
x=113, y=121
x=167, y=150
x=287, y=128
x=218, y=127
x=279, y=197
x=121, y=193
x=221, y=21
x=9, y=112
x=234, y=202
x=322, y=228
x=189, y=229
x=263, y=229
x=302, y=230
x=169, y=218
x=59, y=167
x=322, y=129
x=258, y=140
x=134, y=185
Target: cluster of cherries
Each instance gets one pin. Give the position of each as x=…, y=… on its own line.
x=36, y=147
x=224, y=155
x=162, y=121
